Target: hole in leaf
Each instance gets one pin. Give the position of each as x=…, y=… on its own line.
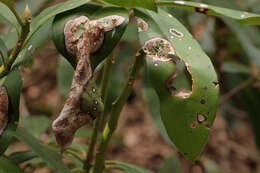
x=201, y=10
x=203, y=101
x=180, y=80
x=216, y=83
x=201, y=118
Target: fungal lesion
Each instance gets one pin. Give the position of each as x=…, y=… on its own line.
x=142, y=25
x=179, y=83
x=3, y=109
x=82, y=37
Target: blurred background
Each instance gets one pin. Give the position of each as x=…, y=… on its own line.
x=234, y=143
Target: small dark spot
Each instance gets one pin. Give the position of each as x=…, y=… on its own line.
x=209, y=67
x=216, y=83
x=203, y=101
x=208, y=126
x=172, y=89
x=205, y=88
x=193, y=125
x=201, y=10
x=19, y=43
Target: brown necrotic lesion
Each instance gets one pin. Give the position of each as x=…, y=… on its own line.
x=82, y=37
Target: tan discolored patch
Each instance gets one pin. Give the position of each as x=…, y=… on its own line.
x=158, y=49
x=141, y=24
x=3, y=109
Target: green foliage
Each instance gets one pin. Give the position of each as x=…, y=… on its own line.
x=180, y=115
x=171, y=164
x=13, y=84
x=127, y=167
x=149, y=4
x=37, y=124
x=7, y=166
x=22, y=156
x=180, y=83
x=240, y=16
x=48, y=154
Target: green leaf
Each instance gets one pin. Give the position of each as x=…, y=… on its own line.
x=251, y=50
x=7, y=166
x=13, y=84
x=22, y=156
x=10, y=3
x=6, y=13
x=153, y=103
x=148, y=4
x=235, y=67
x=49, y=155
x=171, y=164
x=187, y=116
x=43, y=20
x=36, y=124
x=129, y=168
x=65, y=74
x=242, y=17
x=3, y=50
x=93, y=12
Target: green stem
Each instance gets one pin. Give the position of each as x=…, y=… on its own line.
x=4, y=70
x=3, y=59
x=99, y=121
x=237, y=89
x=115, y=112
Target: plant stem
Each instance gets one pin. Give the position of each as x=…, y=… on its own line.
x=115, y=112
x=99, y=121
x=4, y=70
x=237, y=89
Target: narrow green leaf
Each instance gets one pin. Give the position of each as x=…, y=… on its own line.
x=7, y=166
x=8, y=2
x=6, y=13
x=36, y=124
x=65, y=74
x=22, y=156
x=129, y=168
x=3, y=50
x=251, y=50
x=188, y=111
x=148, y=4
x=13, y=84
x=235, y=67
x=242, y=17
x=171, y=165
x=49, y=155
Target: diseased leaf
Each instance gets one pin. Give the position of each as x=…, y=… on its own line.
x=43, y=19
x=7, y=166
x=22, y=156
x=149, y=4
x=129, y=168
x=242, y=17
x=184, y=79
x=13, y=85
x=93, y=12
x=49, y=155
